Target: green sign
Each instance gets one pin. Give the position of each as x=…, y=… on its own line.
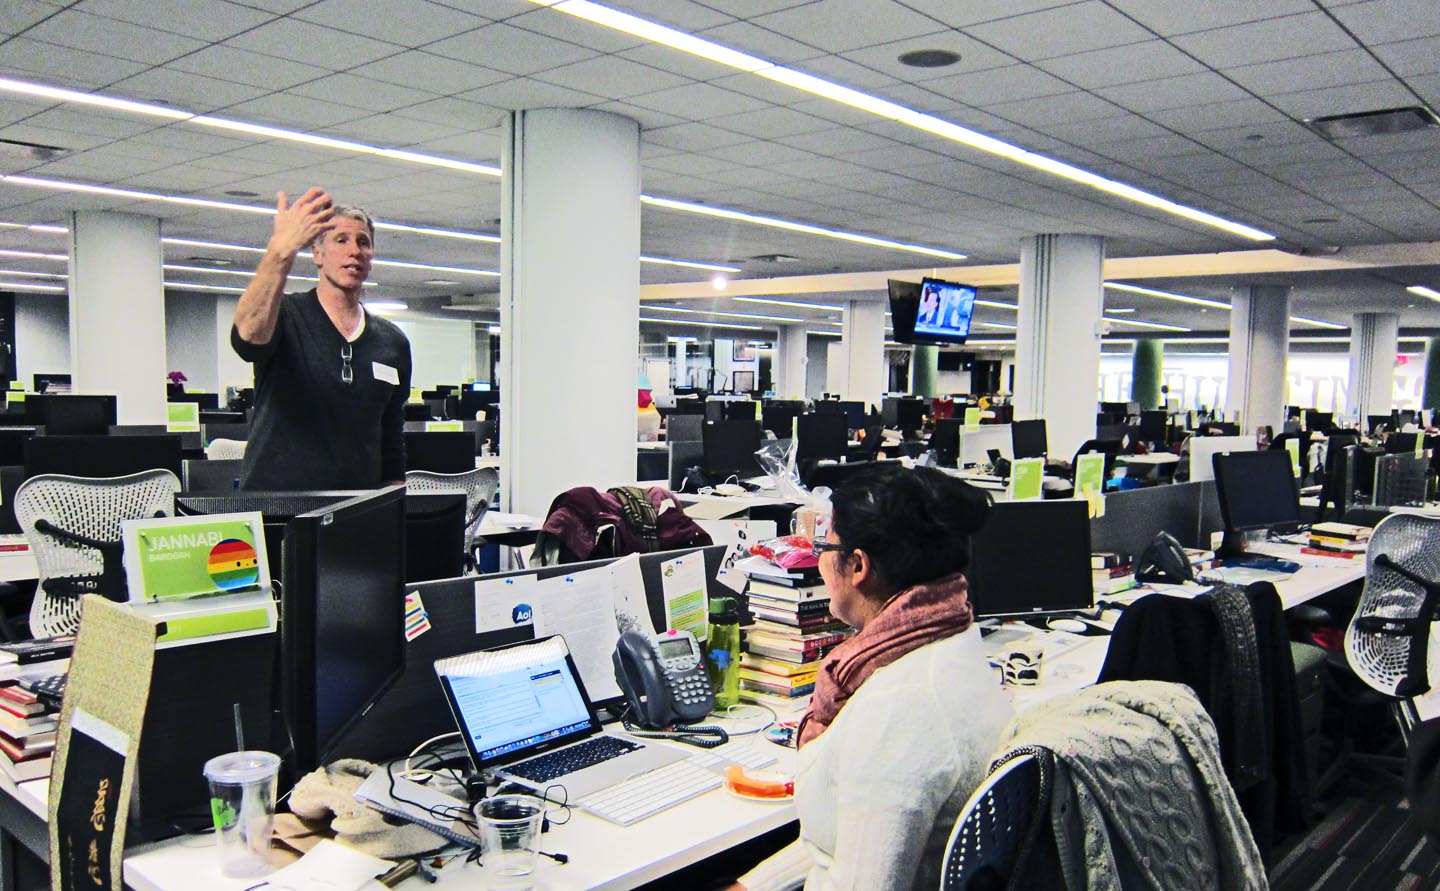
x=972, y=416
x=182, y=417
x=177, y=558
x=1026, y=474
x=17, y=385
x=1090, y=473
x=444, y=426
x=14, y=398
x=1293, y=447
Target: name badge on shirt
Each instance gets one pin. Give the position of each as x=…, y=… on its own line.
x=383, y=372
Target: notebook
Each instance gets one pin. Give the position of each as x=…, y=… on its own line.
x=524, y=715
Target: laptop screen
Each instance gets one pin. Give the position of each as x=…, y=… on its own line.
x=516, y=701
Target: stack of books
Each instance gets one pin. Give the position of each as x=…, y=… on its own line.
x=27, y=734
x=1338, y=538
x=791, y=634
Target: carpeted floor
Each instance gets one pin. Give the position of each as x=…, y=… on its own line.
x=1366, y=842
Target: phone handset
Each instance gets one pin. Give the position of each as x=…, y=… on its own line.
x=1164, y=561
x=664, y=680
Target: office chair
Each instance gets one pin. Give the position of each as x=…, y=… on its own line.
x=1387, y=640
x=986, y=841
x=225, y=449
x=73, y=526
x=479, y=487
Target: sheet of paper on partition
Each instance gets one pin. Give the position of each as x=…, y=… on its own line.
x=581, y=606
x=627, y=590
x=504, y=603
x=1090, y=482
x=687, y=604
x=737, y=536
x=1026, y=477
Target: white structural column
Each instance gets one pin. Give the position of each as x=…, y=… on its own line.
x=859, y=364
x=1374, y=341
x=569, y=303
x=117, y=312
x=790, y=361
x=1057, y=344
x=1259, y=344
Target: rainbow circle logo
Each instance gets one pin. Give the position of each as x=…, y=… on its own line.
x=233, y=565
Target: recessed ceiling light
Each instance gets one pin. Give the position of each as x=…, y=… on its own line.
x=211, y=261
x=1254, y=137
x=1374, y=123
x=929, y=58
x=772, y=258
x=438, y=281
x=718, y=282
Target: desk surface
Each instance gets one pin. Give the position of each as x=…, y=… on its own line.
x=602, y=855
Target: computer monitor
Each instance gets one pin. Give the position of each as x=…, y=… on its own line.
x=472, y=401
x=778, y=417
x=12, y=444
x=417, y=411
x=342, y=617
x=1027, y=439
x=449, y=451
x=1400, y=479
x=821, y=437
x=1152, y=426
x=102, y=456
x=729, y=449
x=1400, y=419
x=71, y=414
x=1256, y=490
x=434, y=535
x=1319, y=421
x=1031, y=558
x=206, y=401
x=945, y=441
x=42, y=383
x=1373, y=423
x=856, y=412
x=1401, y=443
x=902, y=413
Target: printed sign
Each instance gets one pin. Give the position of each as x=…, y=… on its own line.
x=182, y=417
x=177, y=558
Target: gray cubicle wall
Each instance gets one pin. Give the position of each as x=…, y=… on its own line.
x=414, y=708
x=1187, y=511
x=682, y=434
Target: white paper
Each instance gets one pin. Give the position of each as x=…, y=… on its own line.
x=627, y=589
x=687, y=597
x=383, y=372
x=329, y=866
x=737, y=536
x=582, y=608
x=504, y=603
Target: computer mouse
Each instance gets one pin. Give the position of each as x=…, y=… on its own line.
x=1074, y=626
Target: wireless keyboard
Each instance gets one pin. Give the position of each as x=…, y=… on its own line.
x=544, y=768
x=650, y=793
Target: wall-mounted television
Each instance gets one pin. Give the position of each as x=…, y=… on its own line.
x=932, y=312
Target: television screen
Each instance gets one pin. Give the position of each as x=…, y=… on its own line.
x=944, y=313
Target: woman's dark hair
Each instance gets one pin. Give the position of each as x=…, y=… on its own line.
x=915, y=525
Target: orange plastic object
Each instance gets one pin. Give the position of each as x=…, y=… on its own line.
x=742, y=783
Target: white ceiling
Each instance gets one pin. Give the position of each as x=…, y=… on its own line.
x=1197, y=101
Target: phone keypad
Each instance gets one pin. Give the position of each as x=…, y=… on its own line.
x=692, y=688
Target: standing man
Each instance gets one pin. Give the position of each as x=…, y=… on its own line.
x=331, y=380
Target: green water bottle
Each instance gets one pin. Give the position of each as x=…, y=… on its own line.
x=722, y=651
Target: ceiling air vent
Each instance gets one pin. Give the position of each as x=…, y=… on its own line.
x=1374, y=123
x=772, y=258
x=31, y=151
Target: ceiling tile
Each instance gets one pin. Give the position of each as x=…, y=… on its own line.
x=963, y=13
x=691, y=164
x=207, y=20
x=982, y=88
x=695, y=137
x=291, y=110
x=1203, y=88
x=362, y=93
x=698, y=102
x=243, y=66
x=686, y=15
x=839, y=25
x=676, y=62
x=478, y=146
x=1344, y=100
x=920, y=97
x=648, y=118
x=390, y=131
x=413, y=22
x=454, y=112
x=760, y=153
x=112, y=38
x=839, y=139
x=22, y=14
x=328, y=47
x=744, y=9
x=426, y=71
x=772, y=123
x=1381, y=21
x=527, y=92
x=763, y=42
x=1060, y=32
x=1151, y=60
x=511, y=49
x=1046, y=111
x=92, y=122
x=612, y=76
x=885, y=57
x=1101, y=134
x=1283, y=38
x=1408, y=57
x=1168, y=18
x=62, y=66
x=1309, y=72
x=577, y=31
x=191, y=92
x=1217, y=116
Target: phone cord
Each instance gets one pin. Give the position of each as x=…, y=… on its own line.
x=707, y=737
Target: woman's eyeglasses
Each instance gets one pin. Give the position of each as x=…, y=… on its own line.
x=347, y=373
x=820, y=546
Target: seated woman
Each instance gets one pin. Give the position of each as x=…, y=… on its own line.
x=907, y=713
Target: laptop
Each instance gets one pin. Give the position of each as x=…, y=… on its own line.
x=525, y=717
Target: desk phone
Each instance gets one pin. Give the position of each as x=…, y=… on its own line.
x=663, y=677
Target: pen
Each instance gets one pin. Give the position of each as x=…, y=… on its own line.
x=402, y=871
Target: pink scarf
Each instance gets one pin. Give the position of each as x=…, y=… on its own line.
x=909, y=620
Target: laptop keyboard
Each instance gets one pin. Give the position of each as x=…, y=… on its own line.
x=651, y=792
x=544, y=768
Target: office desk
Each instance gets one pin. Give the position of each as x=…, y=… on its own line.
x=602, y=855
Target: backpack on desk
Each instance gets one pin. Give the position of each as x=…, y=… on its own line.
x=587, y=524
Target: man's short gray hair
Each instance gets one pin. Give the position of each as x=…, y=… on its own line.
x=350, y=211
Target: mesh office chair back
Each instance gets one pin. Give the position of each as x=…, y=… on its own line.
x=985, y=843
x=225, y=449
x=479, y=486
x=1388, y=640
x=83, y=516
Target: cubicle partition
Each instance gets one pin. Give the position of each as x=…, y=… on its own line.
x=414, y=708
x=1188, y=511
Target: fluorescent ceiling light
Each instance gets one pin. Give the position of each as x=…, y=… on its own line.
x=493, y=329
x=1121, y=309
x=998, y=304
x=244, y=273
x=196, y=286
x=59, y=94
x=400, y=264
x=826, y=333
x=1152, y=325
x=690, y=264
x=1422, y=291
x=35, y=227
x=25, y=273
x=25, y=286
x=1000, y=325
x=789, y=225
x=794, y=303
x=728, y=315
x=688, y=43
x=458, y=270
x=385, y=306
x=1167, y=295
x=33, y=255
x=703, y=324
x=991, y=341
x=1301, y=320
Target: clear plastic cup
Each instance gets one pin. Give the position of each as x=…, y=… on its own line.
x=242, y=801
x=510, y=839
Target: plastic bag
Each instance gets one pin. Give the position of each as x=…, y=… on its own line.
x=786, y=551
x=777, y=459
